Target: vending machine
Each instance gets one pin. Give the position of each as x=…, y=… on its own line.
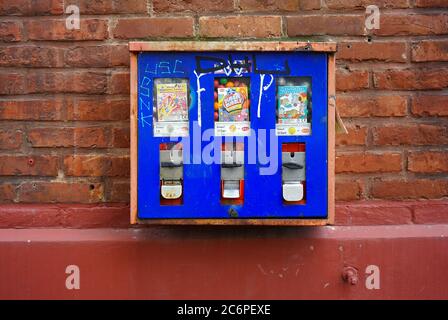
x=232, y=132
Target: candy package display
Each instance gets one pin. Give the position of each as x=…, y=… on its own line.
x=292, y=104
x=170, y=107
x=172, y=102
x=232, y=107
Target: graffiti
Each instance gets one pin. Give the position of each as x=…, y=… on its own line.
x=165, y=68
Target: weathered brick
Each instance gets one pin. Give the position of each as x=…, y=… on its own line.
x=428, y=161
x=121, y=137
x=65, y=192
x=412, y=189
x=11, y=83
x=358, y=51
x=325, y=25
x=30, y=165
x=31, y=56
x=119, y=83
x=410, y=134
x=368, y=162
x=240, y=26
x=119, y=191
x=55, y=29
x=309, y=4
x=269, y=5
x=97, y=56
x=7, y=192
x=109, y=6
x=96, y=166
x=362, y=4
x=433, y=212
x=430, y=50
x=66, y=82
x=356, y=136
x=31, y=7
x=351, y=80
x=348, y=190
x=374, y=213
x=10, y=139
x=411, y=79
x=83, y=137
x=10, y=31
x=430, y=105
x=46, y=109
x=371, y=106
x=412, y=24
x=431, y=3
x=98, y=109
x=127, y=28
x=201, y=6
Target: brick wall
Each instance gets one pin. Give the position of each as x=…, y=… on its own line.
x=64, y=133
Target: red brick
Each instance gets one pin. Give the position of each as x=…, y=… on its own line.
x=362, y=4
x=411, y=79
x=368, y=162
x=66, y=82
x=412, y=24
x=31, y=7
x=412, y=189
x=97, y=56
x=119, y=83
x=109, y=6
x=431, y=3
x=240, y=26
x=127, y=28
x=428, y=161
x=54, y=192
x=88, y=137
x=349, y=190
x=96, y=166
x=309, y=4
x=31, y=56
x=11, y=83
x=373, y=213
x=10, y=31
x=433, y=212
x=325, y=25
x=202, y=6
x=410, y=134
x=347, y=80
x=119, y=192
x=356, y=136
x=430, y=50
x=430, y=105
x=371, y=106
x=10, y=139
x=99, y=109
x=121, y=137
x=358, y=51
x=7, y=192
x=55, y=29
x=269, y=5
x=31, y=165
x=31, y=109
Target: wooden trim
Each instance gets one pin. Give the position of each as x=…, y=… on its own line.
x=134, y=137
x=331, y=81
x=237, y=222
x=324, y=46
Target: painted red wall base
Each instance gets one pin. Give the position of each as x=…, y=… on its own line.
x=225, y=262
x=376, y=212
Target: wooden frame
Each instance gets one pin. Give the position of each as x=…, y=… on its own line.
x=322, y=46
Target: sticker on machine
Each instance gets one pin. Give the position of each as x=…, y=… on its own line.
x=232, y=128
x=171, y=129
x=299, y=129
